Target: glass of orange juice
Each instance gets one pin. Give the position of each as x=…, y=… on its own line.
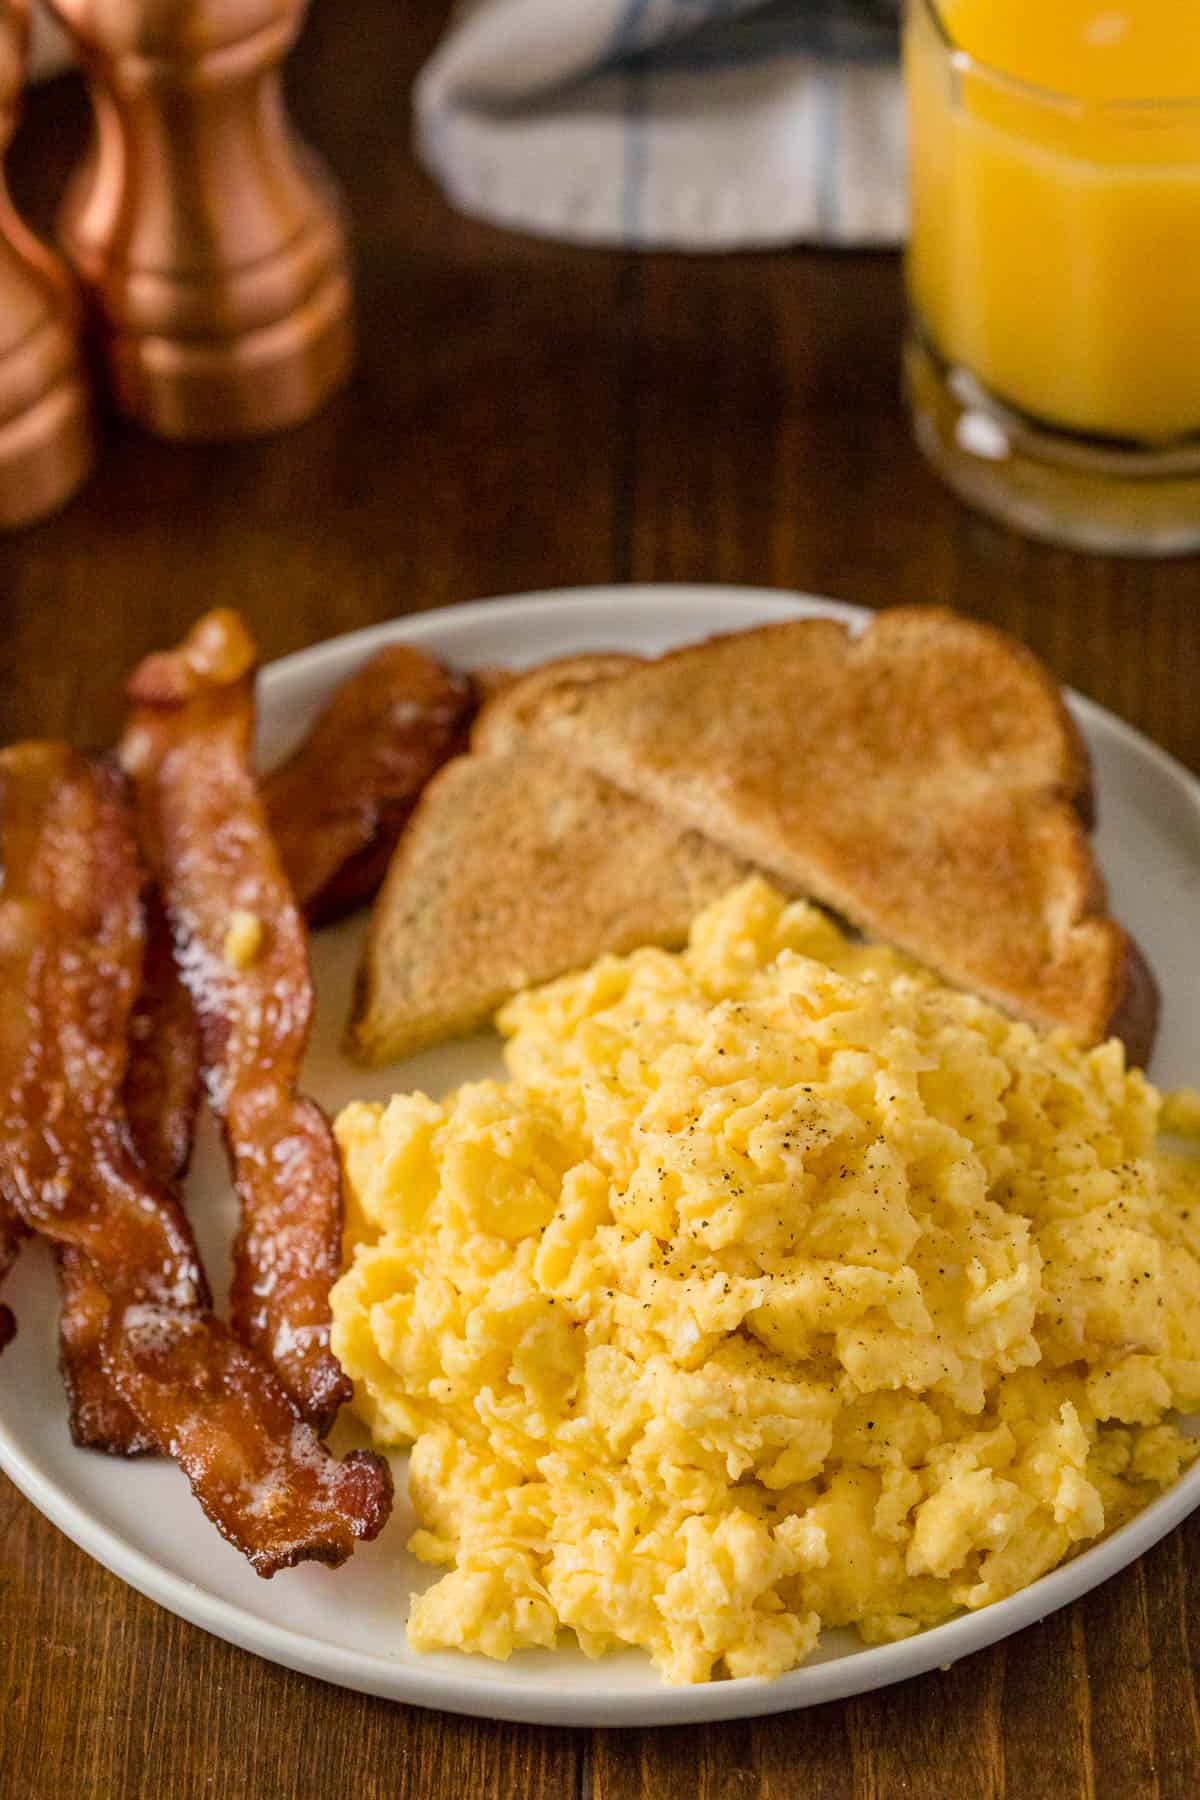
x=1053, y=352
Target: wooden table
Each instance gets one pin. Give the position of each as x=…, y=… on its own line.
x=525, y=416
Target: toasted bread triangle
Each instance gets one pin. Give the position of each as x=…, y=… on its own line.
x=501, y=722
x=515, y=868
x=924, y=778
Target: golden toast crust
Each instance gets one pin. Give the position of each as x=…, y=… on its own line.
x=503, y=719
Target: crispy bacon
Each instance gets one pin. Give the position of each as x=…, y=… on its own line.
x=336, y=808
x=70, y=948
x=337, y=805
x=98, y=1417
x=51, y=801
x=12, y=1232
x=241, y=948
x=20, y=826
x=70, y=951
x=264, y=1478
x=160, y=1092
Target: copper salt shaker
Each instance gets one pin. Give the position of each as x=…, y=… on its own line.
x=208, y=239
x=46, y=441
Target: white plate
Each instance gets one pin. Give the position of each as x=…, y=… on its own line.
x=348, y=1625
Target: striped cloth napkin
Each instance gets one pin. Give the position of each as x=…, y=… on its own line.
x=685, y=124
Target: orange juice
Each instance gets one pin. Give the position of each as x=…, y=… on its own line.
x=1055, y=245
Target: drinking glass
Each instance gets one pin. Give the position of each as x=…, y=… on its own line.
x=1052, y=360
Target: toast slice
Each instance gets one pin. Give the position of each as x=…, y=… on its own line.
x=924, y=779
x=503, y=719
x=516, y=868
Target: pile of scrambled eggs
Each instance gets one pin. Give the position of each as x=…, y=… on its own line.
x=780, y=1288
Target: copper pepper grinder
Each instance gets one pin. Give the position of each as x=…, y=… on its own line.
x=207, y=238
x=46, y=443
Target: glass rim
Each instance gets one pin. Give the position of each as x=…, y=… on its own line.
x=1136, y=109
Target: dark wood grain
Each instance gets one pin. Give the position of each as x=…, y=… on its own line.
x=526, y=415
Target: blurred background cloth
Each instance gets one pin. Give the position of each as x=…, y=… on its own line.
x=686, y=124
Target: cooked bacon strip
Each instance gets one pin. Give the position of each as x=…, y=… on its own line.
x=98, y=1417
x=161, y=1091
x=337, y=805
x=20, y=829
x=74, y=1049
x=70, y=948
x=12, y=1232
x=159, y=1094
x=241, y=948
x=264, y=1478
x=70, y=941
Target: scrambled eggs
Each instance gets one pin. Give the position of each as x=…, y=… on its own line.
x=780, y=1288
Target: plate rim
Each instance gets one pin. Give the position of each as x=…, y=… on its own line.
x=435, y=1683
